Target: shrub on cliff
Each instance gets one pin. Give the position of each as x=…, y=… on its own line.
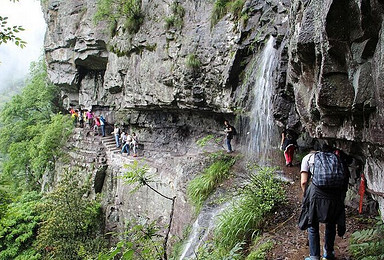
x=203, y=185
x=222, y=7
x=176, y=18
x=32, y=132
x=71, y=222
x=113, y=11
x=18, y=227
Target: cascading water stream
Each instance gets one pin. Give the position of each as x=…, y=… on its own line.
x=260, y=138
x=202, y=227
x=261, y=134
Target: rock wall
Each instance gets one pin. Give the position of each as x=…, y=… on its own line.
x=335, y=60
x=142, y=81
x=327, y=82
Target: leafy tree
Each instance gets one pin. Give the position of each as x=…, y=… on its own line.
x=32, y=132
x=9, y=33
x=71, y=225
x=18, y=228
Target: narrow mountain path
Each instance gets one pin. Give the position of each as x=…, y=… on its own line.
x=291, y=242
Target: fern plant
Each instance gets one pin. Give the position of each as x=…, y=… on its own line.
x=368, y=244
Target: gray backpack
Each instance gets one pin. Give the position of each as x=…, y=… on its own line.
x=328, y=171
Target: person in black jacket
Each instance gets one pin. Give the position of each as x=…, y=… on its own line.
x=321, y=205
x=229, y=135
x=288, y=145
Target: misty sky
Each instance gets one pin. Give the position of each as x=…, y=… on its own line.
x=14, y=60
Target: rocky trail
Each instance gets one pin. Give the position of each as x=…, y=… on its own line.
x=291, y=242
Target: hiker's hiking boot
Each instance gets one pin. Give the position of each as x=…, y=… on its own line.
x=330, y=256
x=312, y=258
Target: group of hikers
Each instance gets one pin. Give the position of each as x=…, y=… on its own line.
x=87, y=118
x=324, y=180
x=126, y=141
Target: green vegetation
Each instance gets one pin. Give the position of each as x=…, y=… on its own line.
x=259, y=249
x=147, y=246
x=193, y=62
x=368, y=244
x=179, y=243
x=202, y=186
x=141, y=241
x=176, y=18
x=222, y=7
x=113, y=11
x=203, y=141
x=246, y=216
x=71, y=225
x=212, y=251
x=238, y=226
x=18, y=228
x=32, y=132
x=9, y=33
x=63, y=224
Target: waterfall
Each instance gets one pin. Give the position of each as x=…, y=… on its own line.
x=261, y=134
x=202, y=227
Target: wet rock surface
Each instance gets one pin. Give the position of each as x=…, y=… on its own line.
x=333, y=61
x=328, y=83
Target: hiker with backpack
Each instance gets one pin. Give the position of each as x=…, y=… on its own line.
x=126, y=142
x=324, y=183
x=288, y=145
x=230, y=132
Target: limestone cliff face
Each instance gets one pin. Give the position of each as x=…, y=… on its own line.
x=143, y=82
x=327, y=81
x=335, y=72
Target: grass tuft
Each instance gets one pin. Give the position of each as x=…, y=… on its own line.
x=203, y=185
x=222, y=7
x=243, y=220
x=193, y=62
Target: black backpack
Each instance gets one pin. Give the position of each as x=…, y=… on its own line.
x=234, y=131
x=328, y=171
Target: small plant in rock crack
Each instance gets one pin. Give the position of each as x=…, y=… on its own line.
x=193, y=62
x=137, y=174
x=176, y=18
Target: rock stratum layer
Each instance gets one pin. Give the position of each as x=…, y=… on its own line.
x=327, y=81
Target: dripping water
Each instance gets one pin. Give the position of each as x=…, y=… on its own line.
x=261, y=136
